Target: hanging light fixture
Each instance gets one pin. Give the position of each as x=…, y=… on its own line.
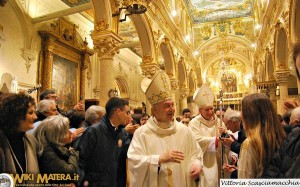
x=131, y=7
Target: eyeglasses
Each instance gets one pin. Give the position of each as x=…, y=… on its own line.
x=185, y=122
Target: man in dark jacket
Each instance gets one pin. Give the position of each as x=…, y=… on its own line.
x=286, y=161
x=100, y=146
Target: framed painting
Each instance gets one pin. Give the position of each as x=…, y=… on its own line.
x=63, y=62
x=65, y=81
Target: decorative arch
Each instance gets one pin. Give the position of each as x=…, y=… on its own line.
x=230, y=38
x=145, y=34
x=122, y=87
x=21, y=15
x=295, y=21
x=233, y=55
x=167, y=53
x=269, y=67
x=281, y=48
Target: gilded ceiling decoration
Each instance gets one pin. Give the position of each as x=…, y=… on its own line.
x=88, y=14
x=202, y=11
x=129, y=34
x=72, y=3
x=242, y=27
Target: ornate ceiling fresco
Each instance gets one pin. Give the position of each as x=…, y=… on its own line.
x=72, y=3
x=220, y=28
x=130, y=37
x=89, y=14
x=202, y=11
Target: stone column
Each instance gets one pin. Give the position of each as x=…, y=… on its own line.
x=106, y=43
x=48, y=64
x=281, y=78
x=272, y=94
x=183, y=98
x=174, y=88
x=84, y=66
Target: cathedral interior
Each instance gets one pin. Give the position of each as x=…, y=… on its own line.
x=96, y=49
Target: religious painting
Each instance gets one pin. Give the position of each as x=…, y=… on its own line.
x=202, y=11
x=228, y=82
x=64, y=82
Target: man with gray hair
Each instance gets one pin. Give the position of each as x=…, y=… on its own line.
x=44, y=109
x=156, y=157
x=232, y=121
x=93, y=115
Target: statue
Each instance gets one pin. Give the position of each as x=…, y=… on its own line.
x=14, y=86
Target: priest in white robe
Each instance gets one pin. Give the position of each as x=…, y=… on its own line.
x=206, y=127
x=163, y=152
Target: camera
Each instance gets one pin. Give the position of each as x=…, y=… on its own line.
x=224, y=135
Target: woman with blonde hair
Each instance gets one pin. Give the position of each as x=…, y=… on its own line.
x=264, y=135
x=54, y=157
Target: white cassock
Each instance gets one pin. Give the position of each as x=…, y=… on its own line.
x=205, y=132
x=150, y=141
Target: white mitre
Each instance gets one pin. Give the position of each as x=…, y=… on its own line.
x=158, y=88
x=204, y=96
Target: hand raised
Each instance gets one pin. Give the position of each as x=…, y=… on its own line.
x=171, y=156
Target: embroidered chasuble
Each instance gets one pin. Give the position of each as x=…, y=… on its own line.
x=205, y=132
x=154, y=139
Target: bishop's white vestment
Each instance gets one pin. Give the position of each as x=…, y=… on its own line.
x=149, y=142
x=205, y=132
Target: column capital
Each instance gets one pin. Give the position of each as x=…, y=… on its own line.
x=282, y=76
x=266, y=84
x=149, y=68
x=174, y=83
x=184, y=92
x=106, y=43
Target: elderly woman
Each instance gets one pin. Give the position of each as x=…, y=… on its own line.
x=55, y=158
x=264, y=135
x=18, y=149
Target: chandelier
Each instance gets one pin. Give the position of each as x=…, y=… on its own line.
x=223, y=72
x=131, y=7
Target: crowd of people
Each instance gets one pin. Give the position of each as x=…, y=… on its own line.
x=113, y=147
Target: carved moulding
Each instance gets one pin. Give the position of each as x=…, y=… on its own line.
x=282, y=76
x=149, y=68
x=63, y=47
x=102, y=25
x=184, y=92
x=174, y=84
x=2, y=37
x=29, y=57
x=106, y=43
